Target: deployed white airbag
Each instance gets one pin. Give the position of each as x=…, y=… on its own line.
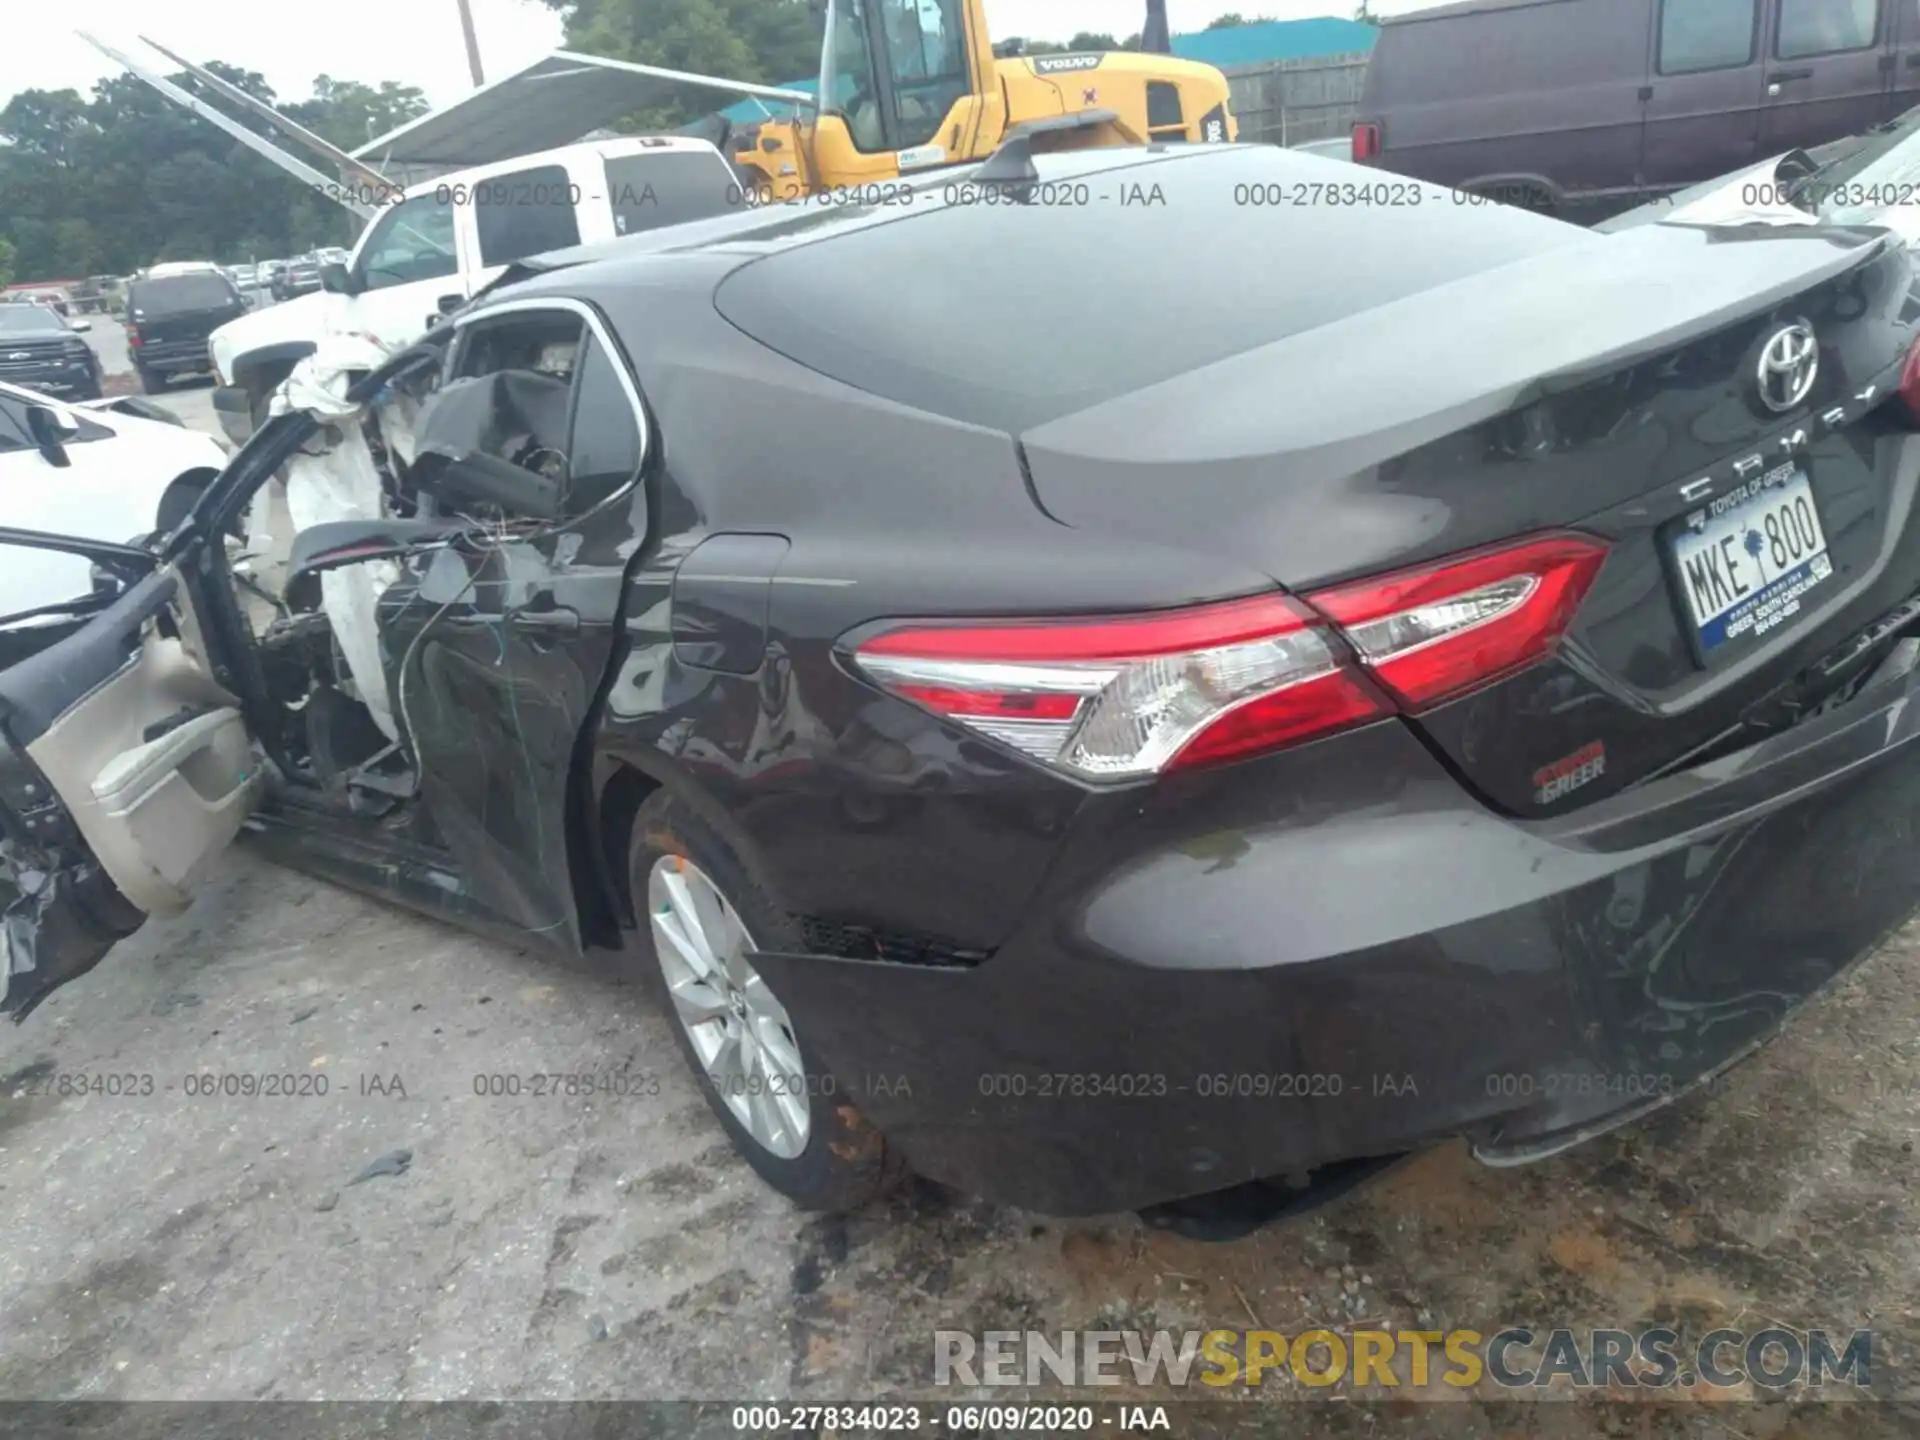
x=342, y=482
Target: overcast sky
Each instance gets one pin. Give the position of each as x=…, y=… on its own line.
x=418, y=41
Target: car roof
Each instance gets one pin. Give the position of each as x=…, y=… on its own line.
x=780, y=226
x=611, y=149
x=1149, y=263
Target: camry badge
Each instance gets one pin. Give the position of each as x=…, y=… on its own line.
x=1789, y=364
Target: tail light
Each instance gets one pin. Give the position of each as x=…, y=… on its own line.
x=1430, y=635
x=1910, y=383
x=1366, y=141
x=1122, y=698
x=133, y=335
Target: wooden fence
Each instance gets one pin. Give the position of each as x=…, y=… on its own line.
x=1290, y=102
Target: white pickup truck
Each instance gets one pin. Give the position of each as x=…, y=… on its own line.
x=437, y=243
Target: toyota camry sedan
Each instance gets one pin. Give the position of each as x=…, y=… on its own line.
x=1146, y=679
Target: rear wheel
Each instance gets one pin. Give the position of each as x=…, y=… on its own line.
x=151, y=383
x=705, y=919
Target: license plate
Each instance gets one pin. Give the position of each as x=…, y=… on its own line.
x=1747, y=568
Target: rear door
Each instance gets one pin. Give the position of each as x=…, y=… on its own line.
x=1829, y=72
x=498, y=649
x=125, y=766
x=1703, y=92
x=653, y=188
x=529, y=211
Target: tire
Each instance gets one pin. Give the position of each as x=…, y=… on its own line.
x=150, y=383
x=845, y=1163
x=91, y=390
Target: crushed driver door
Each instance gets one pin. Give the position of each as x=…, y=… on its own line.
x=125, y=766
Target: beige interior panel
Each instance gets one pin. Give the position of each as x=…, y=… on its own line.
x=155, y=813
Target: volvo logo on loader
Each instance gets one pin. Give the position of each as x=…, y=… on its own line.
x=1063, y=64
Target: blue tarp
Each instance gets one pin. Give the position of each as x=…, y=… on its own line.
x=1241, y=45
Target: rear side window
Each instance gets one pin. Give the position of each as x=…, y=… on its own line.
x=1707, y=34
x=1826, y=27
x=606, y=437
x=179, y=294
x=526, y=213
x=668, y=188
x=539, y=390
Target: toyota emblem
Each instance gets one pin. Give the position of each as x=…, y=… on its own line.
x=1789, y=364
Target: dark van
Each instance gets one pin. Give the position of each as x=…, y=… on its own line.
x=1583, y=108
x=170, y=316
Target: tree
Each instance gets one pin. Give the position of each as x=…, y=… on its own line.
x=124, y=178
x=6, y=262
x=350, y=114
x=767, y=41
x=1093, y=40
x=1363, y=12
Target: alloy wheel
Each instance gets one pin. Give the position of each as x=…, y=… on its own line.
x=740, y=1031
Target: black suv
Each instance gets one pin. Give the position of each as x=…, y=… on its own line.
x=41, y=349
x=169, y=318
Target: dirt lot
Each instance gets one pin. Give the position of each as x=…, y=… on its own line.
x=177, y=1245
x=171, y=1245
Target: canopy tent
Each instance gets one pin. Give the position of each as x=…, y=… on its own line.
x=552, y=102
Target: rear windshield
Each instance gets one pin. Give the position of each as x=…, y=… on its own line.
x=1009, y=316
x=666, y=188
x=177, y=294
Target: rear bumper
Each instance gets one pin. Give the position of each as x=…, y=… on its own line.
x=174, y=357
x=1336, y=953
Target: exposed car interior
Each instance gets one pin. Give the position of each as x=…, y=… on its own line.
x=466, y=453
x=483, y=458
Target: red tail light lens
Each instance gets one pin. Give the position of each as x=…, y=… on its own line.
x=133, y=335
x=1910, y=383
x=1366, y=141
x=1118, y=698
x=1431, y=634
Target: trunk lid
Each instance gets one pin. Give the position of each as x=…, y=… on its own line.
x=1573, y=390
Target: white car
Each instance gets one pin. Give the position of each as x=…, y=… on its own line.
x=449, y=238
x=89, y=472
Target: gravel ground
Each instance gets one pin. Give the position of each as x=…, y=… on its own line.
x=176, y=1245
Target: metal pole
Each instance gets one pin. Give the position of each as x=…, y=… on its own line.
x=473, y=43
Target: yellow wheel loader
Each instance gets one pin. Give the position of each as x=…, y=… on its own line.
x=908, y=85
